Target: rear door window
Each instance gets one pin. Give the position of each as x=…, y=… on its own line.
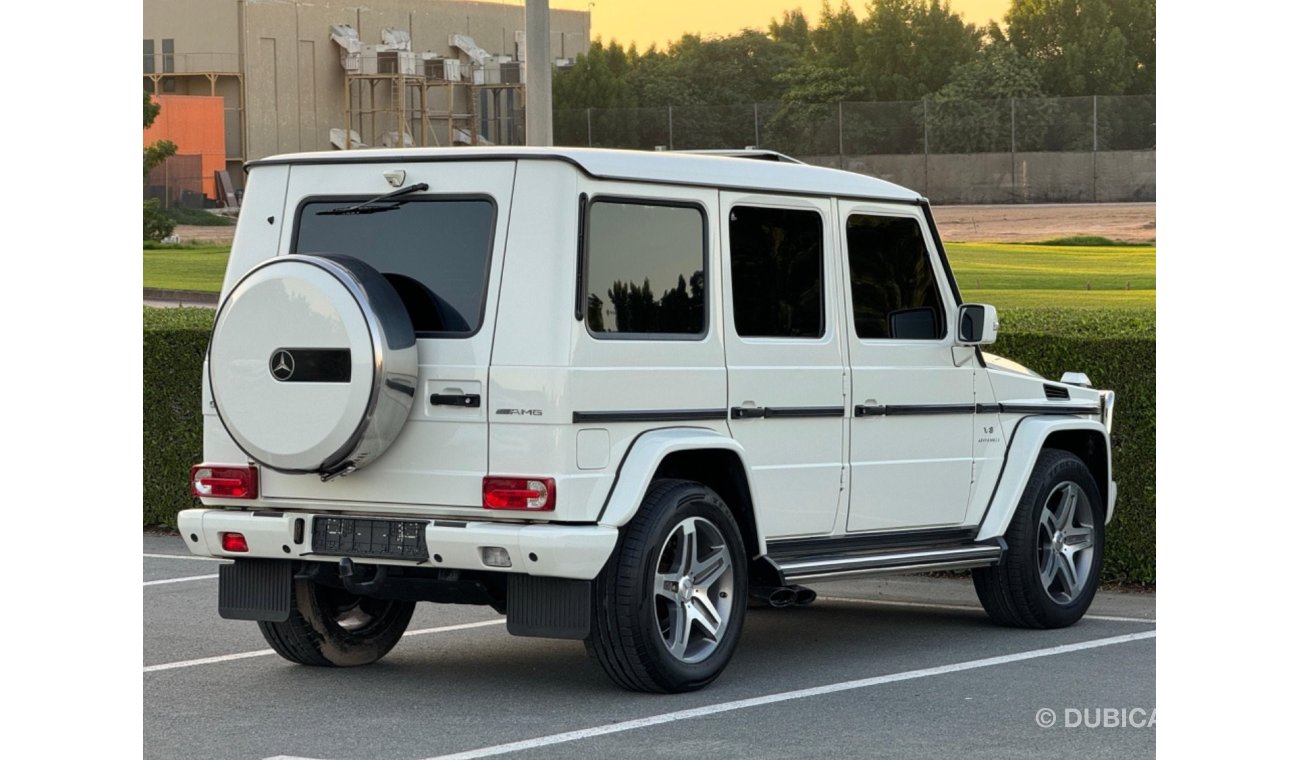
x=645, y=269
x=435, y=252
x=776, y=272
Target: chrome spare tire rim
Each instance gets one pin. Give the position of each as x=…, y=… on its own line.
x=693, y=589
x=1065, y=543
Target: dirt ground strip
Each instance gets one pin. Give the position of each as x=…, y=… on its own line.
x=1127, y=222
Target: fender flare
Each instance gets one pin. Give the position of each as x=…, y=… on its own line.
x=1027, y=441
x=642, y=460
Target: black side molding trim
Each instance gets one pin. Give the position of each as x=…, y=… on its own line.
x=652, y=415
x=750, y=412
x=912, y=409
x=805, y=411
x=1049, y=409
x=862, y=410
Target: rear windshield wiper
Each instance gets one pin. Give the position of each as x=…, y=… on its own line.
x=366, y=208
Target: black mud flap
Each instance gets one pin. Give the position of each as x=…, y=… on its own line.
x=255, y=589
x=548, y=608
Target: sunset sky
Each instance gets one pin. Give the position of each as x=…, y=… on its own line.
x=663, y=20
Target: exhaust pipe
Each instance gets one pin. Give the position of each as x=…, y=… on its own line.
x=774, y=596
x=803, y=596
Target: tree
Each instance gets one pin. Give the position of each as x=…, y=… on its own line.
x=151, y=110
x=597, y=79
x=910, y=47
x=1087, y=47
x=1137, y=22
x=828, y=69
x=877, y=66
x=972, y=113
x=157, y=225
x=160, y=150
x=792, y=30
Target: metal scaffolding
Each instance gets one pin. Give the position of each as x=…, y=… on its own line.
x=392, y=108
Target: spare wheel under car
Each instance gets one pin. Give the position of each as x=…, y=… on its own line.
x=313, y=364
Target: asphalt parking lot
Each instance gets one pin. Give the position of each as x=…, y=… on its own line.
x=897, y=667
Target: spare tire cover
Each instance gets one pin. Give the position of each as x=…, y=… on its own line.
x=313, y=364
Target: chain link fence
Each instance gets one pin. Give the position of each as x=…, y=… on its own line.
x=1119, y=122
x=979, y=151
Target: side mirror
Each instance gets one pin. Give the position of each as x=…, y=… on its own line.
x=977, y=324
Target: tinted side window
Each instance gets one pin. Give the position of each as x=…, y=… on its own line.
x=895, y=294
x=434, y=252
x=644, y=268
x=776, y=272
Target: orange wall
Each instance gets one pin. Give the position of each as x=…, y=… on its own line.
x=197, y=124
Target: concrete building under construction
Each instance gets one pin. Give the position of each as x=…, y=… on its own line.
x=296, y=75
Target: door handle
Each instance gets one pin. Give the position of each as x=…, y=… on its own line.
x=747, y=412
x=464, y=400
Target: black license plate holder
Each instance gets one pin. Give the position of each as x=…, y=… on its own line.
x=369, y=537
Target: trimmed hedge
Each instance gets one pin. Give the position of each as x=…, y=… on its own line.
x=175, y=341
x=1118, y=352
x=1116, y=349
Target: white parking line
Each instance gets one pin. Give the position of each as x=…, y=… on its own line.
x=264, y=652
x=179, y=580
x=967, y=608
x=185, y=556
x=742, y=704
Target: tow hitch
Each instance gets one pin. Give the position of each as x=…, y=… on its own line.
x=356, y=582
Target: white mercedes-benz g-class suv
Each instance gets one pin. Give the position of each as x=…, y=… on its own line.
x=619, y=397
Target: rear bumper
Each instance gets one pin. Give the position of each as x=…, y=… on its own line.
x=553, y=551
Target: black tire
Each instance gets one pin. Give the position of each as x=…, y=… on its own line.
x=1014, y=593
x=631, y=619
x=330, y=627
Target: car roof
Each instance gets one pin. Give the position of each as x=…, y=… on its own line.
x=731, y=171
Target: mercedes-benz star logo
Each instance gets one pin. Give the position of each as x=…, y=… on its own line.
x=282, y=365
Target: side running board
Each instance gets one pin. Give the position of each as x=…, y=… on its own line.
x=895, y=561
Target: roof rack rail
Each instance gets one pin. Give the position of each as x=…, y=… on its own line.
x=761, y=154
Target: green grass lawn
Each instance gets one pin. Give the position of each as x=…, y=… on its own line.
x=1038, y=276
x=197, y=268
x=1007, y=276
x=1064, y=299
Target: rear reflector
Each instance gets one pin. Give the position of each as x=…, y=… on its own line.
x=530, y=494
x=224, y=481
x=233, y=542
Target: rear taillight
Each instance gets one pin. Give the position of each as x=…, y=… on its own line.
x=234, y=542
x=529, y=494
x=224, y=481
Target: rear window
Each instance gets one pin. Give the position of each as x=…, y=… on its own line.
x=434, y=251
x=645, y=269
